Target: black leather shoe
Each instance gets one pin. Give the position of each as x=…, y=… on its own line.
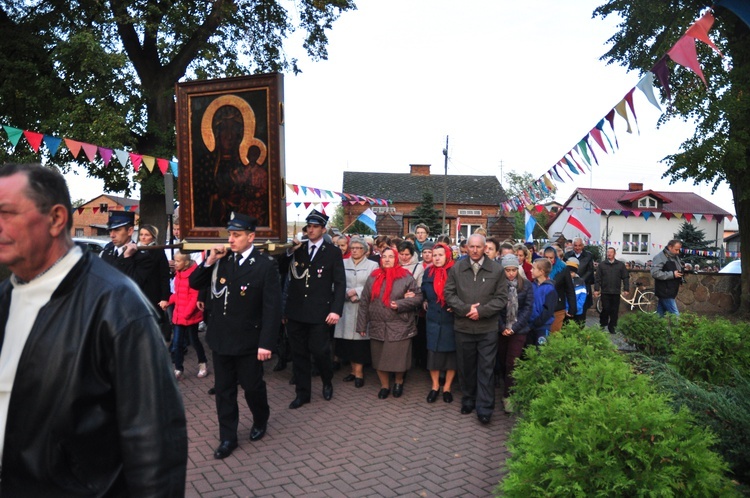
x=398, y=390
x=257, y=432
x=225, y=449
x=447, y=397
x=349, y=378
x=280, y=365
x=327, y=392
x=485, y=419
x=384, y=392
x=432, y=396
x=298, y=402
x=359, y=382
x=212, y=391
x=466, y=409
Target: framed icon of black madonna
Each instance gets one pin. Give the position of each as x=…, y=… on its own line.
x=230, y=146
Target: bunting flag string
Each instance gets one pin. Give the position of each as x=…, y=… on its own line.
x=351, y=199
x=91, y=151
x=684, y=53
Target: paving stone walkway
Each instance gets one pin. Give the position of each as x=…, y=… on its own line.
x=354, y=445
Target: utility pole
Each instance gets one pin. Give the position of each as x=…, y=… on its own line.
x=445, y=181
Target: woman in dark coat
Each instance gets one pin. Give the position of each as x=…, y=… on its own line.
x=513, y=322
x=564, y=287
x=441, y=341
x=156, y=285
x=387, y=315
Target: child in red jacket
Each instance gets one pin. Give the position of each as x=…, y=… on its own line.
x=186, y=316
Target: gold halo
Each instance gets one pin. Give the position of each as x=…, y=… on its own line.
x=248, y=118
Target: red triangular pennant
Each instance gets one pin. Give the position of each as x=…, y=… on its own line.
x=34, y=139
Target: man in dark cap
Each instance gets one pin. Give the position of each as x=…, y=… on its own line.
x=244, y=312
x=121, y=250
x=315, y=301
x=144, y=267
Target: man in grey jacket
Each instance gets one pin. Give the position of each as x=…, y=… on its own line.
x=667, y=273
x=476, y=291
x=611, y=274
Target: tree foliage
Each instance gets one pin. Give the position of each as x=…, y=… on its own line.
x=719, y=150
x=104, y=72
x=694, y=239
x=427, y=214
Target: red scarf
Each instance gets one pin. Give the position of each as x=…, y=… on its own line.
x=387, y=275
x=440, y=274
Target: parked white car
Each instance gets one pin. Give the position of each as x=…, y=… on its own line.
x=94, y=245
x=733, y=267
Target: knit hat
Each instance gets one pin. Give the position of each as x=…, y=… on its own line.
x=428, y=244
x=572, y=262
x=510, y=260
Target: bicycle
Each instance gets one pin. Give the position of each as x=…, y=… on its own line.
x=644, y=299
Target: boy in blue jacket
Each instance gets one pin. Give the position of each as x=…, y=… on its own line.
x=545, y=300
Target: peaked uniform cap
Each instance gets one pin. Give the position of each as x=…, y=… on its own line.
x=119, y=219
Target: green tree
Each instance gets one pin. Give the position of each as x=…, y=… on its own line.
x=427, y=214
x=694, y=239
x=720, y=148
x=104, y=72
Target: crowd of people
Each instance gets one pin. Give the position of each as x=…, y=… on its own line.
x=391, y=303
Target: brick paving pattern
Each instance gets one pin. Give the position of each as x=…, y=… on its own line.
x=354, y=445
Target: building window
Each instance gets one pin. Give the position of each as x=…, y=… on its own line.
x=467, y=230
x=635, y=243
x=79, y=232
x=470, y=212
x=647, y=202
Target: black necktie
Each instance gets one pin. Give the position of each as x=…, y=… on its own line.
x=237, y=258
x=312, y=252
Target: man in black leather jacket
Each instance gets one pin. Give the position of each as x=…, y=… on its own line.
x=88, y=402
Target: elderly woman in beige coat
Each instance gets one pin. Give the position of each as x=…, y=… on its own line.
x=386, y=312
x=351, y=346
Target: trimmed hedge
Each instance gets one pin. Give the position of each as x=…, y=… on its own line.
x=591, y=426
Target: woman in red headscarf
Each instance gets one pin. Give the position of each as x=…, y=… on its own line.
x=441, y=341
x=388, y=316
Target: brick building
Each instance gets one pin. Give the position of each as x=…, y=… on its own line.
x=471, y=200
x=90, y=219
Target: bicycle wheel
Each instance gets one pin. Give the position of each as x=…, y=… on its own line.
x=647, y=302
x=599, y=305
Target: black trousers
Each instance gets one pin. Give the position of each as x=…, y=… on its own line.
x=475, y=358
x=309, y=339
x=248, y=371
x=610, y=311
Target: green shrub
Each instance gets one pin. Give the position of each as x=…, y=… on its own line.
x=563, y=350
x=710, y=349
x=725, y=409
x=598, y=429
x=647, y=332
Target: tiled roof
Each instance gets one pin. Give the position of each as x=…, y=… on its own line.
x=123, y=201
x=681, y=202
x=403, y=187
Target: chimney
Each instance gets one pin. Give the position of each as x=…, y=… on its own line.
x=635, y=187
x=419, y=169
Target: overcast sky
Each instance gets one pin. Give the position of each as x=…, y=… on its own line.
x=515, y=85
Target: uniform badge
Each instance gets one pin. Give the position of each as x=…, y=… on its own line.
x=320, y=272
x=222, y=280
x=243, y=288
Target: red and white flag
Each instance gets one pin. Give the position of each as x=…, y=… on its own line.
x=577, y=223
